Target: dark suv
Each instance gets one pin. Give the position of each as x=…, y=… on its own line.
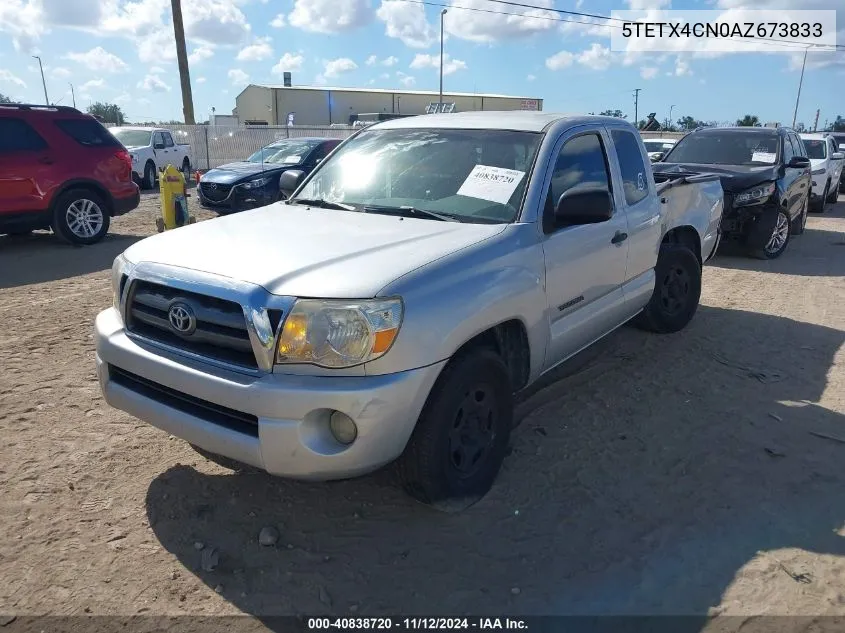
x=765, y=173
x=61, y=169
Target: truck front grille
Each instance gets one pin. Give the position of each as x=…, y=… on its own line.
x=214, y=192
x=218, y=330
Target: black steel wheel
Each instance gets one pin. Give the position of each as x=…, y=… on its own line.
x=677, y=290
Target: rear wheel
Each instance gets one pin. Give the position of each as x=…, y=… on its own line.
x=80, y=217
x=186, y=169
x=834, y=193
x=824, y=199
x=677, y=290
x=149, y=180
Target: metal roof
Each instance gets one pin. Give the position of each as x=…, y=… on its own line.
x=517, y=120
x=396, y=92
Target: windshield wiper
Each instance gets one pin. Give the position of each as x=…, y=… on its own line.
x=323, y=204
x=412, y=211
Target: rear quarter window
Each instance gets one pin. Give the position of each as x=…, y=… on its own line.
x=87, y=132
x=631, y=165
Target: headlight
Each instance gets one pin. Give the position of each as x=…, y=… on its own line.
x=339, y=333
x=755, y=195
x=120, y=267
x=819, y=172
x=258, y=182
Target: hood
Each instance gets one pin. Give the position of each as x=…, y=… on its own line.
x=233, y=172
x=734, y=178
x=308, y=252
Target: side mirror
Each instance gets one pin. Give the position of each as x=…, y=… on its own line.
x=290, y=180
x=657, y=157
x=799, y=161
x=837, y=156
x=584, y=206
x=158, y=146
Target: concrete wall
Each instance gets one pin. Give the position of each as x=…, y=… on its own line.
x=255, y=103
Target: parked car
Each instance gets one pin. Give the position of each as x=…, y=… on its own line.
x=657, y=147
x=422, y=274
x=839, y=139
x=152, y=149
x=826, y=164
x=61, y=169
x=765, y=173
x=255, y=181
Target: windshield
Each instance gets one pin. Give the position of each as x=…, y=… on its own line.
x=726, y=148
x=816, y=148
x=132, y=138
x=657, y=146
x=470, y=175
x=283, y=152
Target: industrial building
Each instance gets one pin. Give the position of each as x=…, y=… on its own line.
x=318, y=106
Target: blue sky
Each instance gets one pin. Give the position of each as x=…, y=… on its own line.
x=122, y=51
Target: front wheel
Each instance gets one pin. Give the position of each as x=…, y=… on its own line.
x=149, y=180
x=186, y=169
x=80, y=217
x=772, y=231
x=800, y=223
x=677, y=290
x=834, y=192
x=460, y=440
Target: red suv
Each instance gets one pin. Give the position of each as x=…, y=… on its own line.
x=61, y=169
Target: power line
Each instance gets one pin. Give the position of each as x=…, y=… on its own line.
x=775, y=42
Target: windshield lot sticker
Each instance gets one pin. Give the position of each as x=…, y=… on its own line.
x=495, y=184
x=763, y=157
x=292, y=159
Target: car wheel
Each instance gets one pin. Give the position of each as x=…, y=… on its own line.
x=770, y=236
x=823, y=199
x=460, y=440
x=149, y=180
x=186, y=169
x=834, y=193
x=80, y=217
x=800, y=223
x=677, y=290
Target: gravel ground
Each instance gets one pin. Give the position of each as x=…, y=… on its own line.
x=685, y=474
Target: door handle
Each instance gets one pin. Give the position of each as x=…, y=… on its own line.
x=619, y=237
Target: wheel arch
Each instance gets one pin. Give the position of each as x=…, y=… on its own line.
x=83, y=183
x=509, y=340
x=684, y=235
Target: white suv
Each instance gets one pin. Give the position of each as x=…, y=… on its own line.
x=826, y=162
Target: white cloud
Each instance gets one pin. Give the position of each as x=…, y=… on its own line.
x=59, y=72
x=433, y=61
x=682, y=68
x=8, y=77
x=237, y=76
x=406, y=80
x=99, y=59
x=215, y=22
x=560, y=60
x=373, y=60
x=23, y=20
x=531, y=77
x=94, y=83
x=643, y=5
x=478, y=26
x=329, y=16
x=200, y=54
x=586, y=26
x=157, y=46
x=336, y=67
x=649, y=72
x=157, y=70
x=279, y=21
x=597, y=57
x=153, y=83
x=131, y=18
x=288, y=63
x=123, y=97
x=257, y=51
x=201, y=80
x=406, y=22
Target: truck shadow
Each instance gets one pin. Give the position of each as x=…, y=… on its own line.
x=42, y=257
x=645, y=483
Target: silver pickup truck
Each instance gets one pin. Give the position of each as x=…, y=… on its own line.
x=427, y=270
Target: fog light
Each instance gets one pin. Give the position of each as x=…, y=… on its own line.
x=343, y=428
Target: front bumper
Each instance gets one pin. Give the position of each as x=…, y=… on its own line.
x=290, y=434
x=239, y=199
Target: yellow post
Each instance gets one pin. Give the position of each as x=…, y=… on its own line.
x=174, y=201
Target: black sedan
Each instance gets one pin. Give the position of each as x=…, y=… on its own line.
x=255, y=181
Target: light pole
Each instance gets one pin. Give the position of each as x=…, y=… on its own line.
x=43, y=83
x=671, y=107
x=72, y=94
x=800, y=83
x=440, y=103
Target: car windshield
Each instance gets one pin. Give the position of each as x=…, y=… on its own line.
x=468, y=175
x=733, y=147
x=132, y=138
x=657, y=146
x=816, y=148
x=283, y=152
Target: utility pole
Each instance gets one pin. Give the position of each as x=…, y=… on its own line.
x=440, y=102
x=182, y=59
x=43, y=83
x=816, y=122
x=636, y=105
x=800, y=83
x=72, y=94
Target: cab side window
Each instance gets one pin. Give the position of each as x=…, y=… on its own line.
x=631, y=165
x=789, y=150
x=582, y=162
x=168, y=140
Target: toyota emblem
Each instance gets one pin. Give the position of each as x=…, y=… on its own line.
x=182, y=319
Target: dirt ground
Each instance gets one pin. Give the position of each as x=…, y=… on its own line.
x=666, y=475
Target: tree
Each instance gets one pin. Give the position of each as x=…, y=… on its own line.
x=749, y=120
x=108, y=112
x=689, y=123
x=617, y=113
x=5, y=99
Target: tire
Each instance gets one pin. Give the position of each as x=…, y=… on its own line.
x=770, y=235
x=677, y=291
x=186, y=169
x=800, y=223
x=823, y=199
x=833, y=196
x=225, y=462
x=460, y=441
x=80, y=216
x=149, y=179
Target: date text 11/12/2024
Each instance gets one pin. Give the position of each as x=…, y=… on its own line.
x=416, y=624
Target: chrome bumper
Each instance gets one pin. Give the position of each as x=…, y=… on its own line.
x=291, y=411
